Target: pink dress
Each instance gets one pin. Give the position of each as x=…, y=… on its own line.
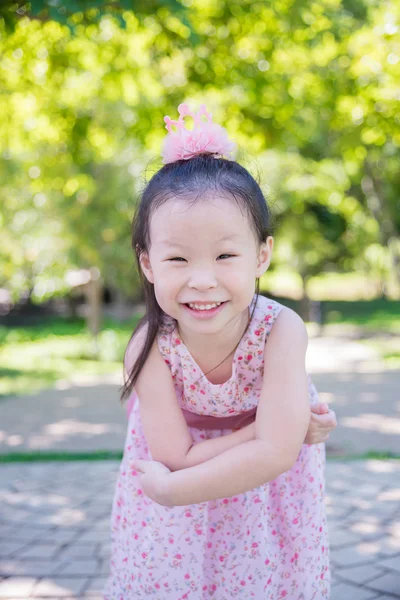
x=268, y=543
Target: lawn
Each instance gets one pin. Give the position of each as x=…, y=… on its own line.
x=33, y=358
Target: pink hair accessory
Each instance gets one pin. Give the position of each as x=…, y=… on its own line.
x=205, y=136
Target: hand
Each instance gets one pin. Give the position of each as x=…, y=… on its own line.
x=152, y=478
x=322, y=422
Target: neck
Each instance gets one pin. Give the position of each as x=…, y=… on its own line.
x=216, y=344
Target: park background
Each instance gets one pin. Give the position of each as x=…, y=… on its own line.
x=310, y=93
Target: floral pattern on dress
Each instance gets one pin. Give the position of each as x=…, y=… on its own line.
x=268, y=543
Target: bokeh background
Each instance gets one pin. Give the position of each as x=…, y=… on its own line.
x=310, y=91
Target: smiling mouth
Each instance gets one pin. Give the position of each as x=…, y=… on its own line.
x=204, y=307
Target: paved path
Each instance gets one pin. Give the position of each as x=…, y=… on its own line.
x=55, y=540
x=54, y=517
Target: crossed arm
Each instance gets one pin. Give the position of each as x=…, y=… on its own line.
x=245, y=459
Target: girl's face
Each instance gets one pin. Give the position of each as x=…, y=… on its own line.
x=204, y=253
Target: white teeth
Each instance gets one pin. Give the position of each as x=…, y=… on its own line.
x=204, y=307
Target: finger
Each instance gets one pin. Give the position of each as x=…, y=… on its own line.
x=320, y=408
x=136, y=465
x=333, y=418
x=327, y=421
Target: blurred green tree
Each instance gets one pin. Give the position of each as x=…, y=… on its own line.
x=309, y=89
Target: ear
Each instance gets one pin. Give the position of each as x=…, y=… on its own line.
x=146, y=266
x=264, y=256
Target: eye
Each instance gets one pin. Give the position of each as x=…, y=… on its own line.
x=179, y=258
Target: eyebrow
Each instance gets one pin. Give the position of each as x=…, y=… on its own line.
x=230, y=238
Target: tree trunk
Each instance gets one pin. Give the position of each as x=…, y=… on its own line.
x=94, y=295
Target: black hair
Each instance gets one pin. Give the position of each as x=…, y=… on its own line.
x=204, y=174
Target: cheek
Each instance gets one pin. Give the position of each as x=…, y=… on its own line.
x=166, y=283
x=242, y=275
x=162, y=299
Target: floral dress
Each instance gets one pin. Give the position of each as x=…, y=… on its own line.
x=268, y=543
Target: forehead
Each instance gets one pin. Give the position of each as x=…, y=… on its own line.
x=180, y=221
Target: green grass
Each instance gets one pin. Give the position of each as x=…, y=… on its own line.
x=24, y=457
x=371, y=455
x=60, y=327
x=34, y=358
x=392, y=355
x=374, y=314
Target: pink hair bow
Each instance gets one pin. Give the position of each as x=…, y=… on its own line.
x=205, y=136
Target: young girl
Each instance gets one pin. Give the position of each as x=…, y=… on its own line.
x=220, y=492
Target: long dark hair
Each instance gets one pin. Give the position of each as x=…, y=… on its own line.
x=201, y=176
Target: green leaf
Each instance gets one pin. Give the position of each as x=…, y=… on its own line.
x=37, y=6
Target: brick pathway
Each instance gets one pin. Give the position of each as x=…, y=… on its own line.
x=55, y=540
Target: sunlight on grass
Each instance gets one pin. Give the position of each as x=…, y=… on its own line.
x=36, y=358
x=388, y=348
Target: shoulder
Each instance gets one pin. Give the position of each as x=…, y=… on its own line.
x=280, y=312
x=290, y=318
x=289, y=331
x=138, y=340
x=267, y=308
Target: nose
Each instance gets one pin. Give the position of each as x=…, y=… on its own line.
x=202, y=279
